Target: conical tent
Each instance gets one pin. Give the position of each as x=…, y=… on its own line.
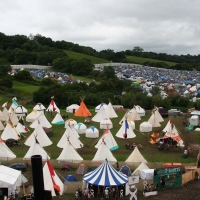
x=51, y=180
x=21, y=128
x=82, y=111
x=171, y=132
x=109, y=140
x=101, y=105
x=139, y=169
x=41, y=137
x=10, y=132
x=13, y=118
x=69, y=135
x=36, y=149
x=153, y=120
x=103, y=153
x=5, y=113
x=100, y=115
x=69, y=154
x=31, y=117
x=125, y=131
x=58, y=119
x=105, y=175
x=13, y=105
x=110, y=111
x=5, y=152
x=1, y=126
x=135, y=156
x=52, y=106
x=21, y=111
x=39, y=107
x=133, y=114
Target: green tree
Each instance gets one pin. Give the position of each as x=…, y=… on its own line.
x=6, y=82
x=4, y=67
x=23, y=76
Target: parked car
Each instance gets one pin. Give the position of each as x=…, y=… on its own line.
x=19, y=166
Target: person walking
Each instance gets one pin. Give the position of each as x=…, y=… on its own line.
x=163, y=182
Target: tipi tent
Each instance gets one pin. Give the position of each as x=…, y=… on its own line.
x=82, y=111
x=100, y=115
x=110, y=111
x=36, y=149
x=5, y=152
x=10, y=132
x=98, y=108
x=125, y=131
x=109, y=140
x=69, y=135
x=13, y=105
x=140, y=111
x=70, y=122
x=58, y=119
x=39, y=107
x=135, y=156
x=172, y=132
x=31, y=117
x=105, y=175
x=52, y=106
x=51, y=180
x=41, y=137
x=21, y=111
x=69, y=154
x=103, y=152
x=139, y=169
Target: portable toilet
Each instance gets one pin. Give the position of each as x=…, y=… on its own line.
x=194, y=120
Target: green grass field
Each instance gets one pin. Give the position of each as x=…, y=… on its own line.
x=139, y=60
x=79, y=56
x=149, y=151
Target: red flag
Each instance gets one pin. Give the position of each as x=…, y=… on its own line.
x=57, y=187
x=53, y=104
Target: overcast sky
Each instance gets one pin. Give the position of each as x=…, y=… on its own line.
x=161, y=26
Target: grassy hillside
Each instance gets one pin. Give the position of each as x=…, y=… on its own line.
x=139, y=60
x=79, y=56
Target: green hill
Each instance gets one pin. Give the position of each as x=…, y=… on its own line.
x=79, y=56
x=140, y=60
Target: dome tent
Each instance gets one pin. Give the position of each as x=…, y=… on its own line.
x=125, y=170
x=71, y=178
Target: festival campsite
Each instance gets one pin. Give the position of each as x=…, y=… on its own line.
x=143, y=151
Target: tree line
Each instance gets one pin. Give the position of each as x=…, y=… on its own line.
x=41, y=50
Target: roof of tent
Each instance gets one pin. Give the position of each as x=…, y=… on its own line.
x=105, y=175
x=125, y=170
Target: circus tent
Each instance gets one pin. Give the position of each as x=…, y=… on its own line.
x=105, y=175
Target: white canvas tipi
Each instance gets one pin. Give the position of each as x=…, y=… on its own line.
x=125, y=131
x=139, y=169
x=69, y=154
x=110, y=111
x=10, y=132
x=52, y=106
x=135, y=156
x=58, y=119
x=69, y=135
x=103, y=153
x=100, y=115
x=41, y=137
x=5, y=152
x=109, y=140
x=51, y=180
x=36, y=149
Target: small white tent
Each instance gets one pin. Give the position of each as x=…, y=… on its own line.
x=135, y=156
x=92, y=132
x=5, y=152
x=139, y=169
x=72, y=108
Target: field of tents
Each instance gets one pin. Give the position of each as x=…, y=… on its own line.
x=80, y=135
